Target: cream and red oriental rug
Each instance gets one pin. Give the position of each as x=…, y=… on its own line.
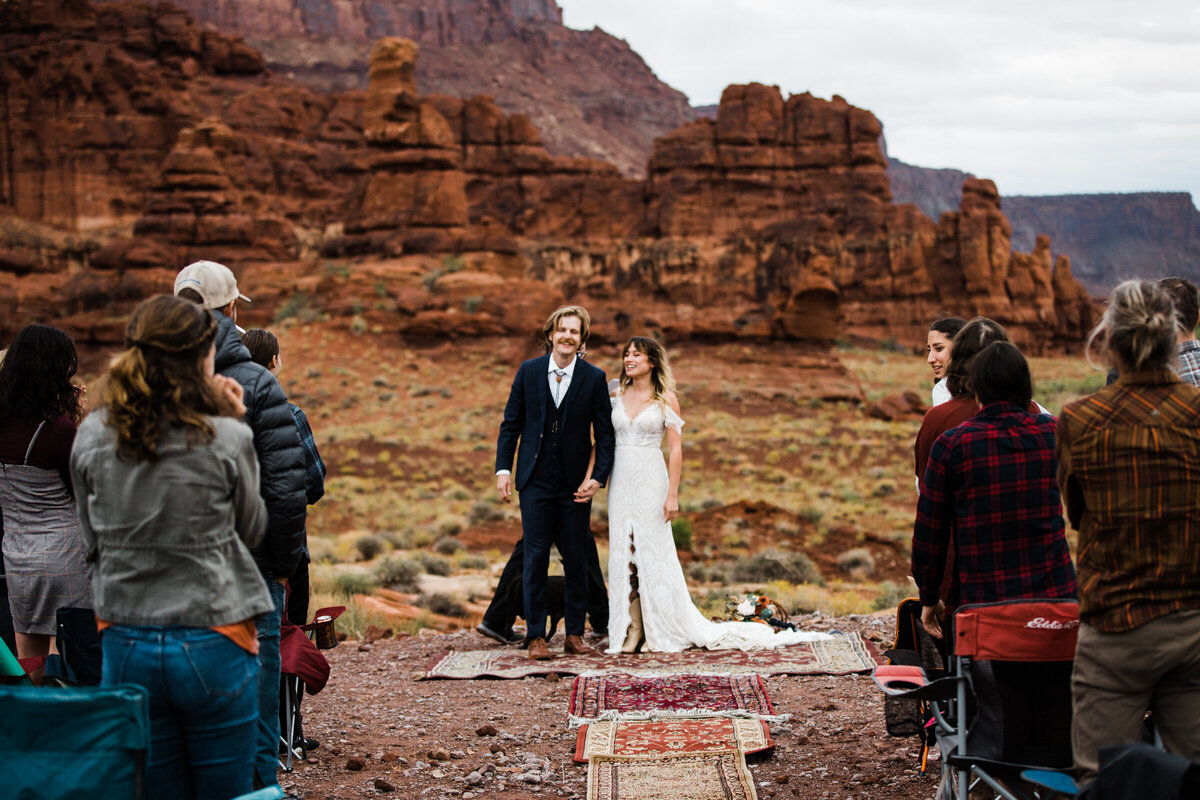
x=844, y=654
x=719, y=775
x=672, y=736
x=618, y=696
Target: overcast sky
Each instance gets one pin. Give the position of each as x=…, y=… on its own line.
x=1042, y=96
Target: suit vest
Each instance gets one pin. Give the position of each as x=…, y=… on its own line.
x=549, y=467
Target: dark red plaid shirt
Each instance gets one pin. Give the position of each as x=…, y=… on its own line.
x=991, y=483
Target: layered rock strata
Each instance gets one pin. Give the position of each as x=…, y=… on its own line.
x=430, y=214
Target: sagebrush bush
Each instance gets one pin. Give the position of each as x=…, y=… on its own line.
x=352, y=583
x=472, y=562
x=891, y=594
x=443, y=604
x=398, y=572
x=772, y=565
x=369, y=547
x=857, y=563
x=485, y=511
x=435, y=564
x=400, y=540
x=447, y=545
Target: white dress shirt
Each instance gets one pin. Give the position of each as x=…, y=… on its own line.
x=556, y=387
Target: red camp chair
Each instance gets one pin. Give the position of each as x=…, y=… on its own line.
x=302, y=668
x=1005, y=706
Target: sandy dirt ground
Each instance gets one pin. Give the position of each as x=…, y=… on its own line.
x=382, y=731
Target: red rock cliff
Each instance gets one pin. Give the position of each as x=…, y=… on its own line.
x=437, y=214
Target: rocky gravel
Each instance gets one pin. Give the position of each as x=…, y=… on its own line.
x=384, y=732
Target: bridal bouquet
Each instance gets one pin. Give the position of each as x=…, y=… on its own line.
x=755, y=608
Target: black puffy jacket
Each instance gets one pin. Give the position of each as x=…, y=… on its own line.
x=280, y=455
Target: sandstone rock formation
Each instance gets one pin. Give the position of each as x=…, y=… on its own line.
x=588, y=92
x=430, y=214
x=1110, y=237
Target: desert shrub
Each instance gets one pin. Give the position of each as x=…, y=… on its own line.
x=396, y=571
x=890, y=595
x=369, y=547
x=443, y=604
x=772, y=565
x=857, y=563
x=485, y=511
x=698, y=571
x=449, y=526
x=399, y=540
x=472, y=562
x=710, y=503
x=884, y=489
x=447, y=545
x=351, y=583
x=321, y=550
x=681, y=532
x=434, y=564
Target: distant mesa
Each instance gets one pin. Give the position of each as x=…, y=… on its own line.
x=429, y=215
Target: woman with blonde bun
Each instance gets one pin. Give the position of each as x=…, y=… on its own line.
x=1129, y=472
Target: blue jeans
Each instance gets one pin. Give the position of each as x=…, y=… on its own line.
x=266, y=759
x=202, y=706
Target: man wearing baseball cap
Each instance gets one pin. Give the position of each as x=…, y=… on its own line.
x=282, y=485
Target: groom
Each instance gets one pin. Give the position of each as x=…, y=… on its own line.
x=556, y=405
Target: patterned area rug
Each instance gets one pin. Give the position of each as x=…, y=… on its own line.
x=708, y=776
x=620, y=696
x=656, y=737
x=841, y=655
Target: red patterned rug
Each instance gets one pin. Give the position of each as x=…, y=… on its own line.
x=844, y=654
x=707, y=776
x=618, y=696
x=676, y=735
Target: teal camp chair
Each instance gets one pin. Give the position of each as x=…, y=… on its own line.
x=74, y=742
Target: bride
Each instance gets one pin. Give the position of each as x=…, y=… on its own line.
x=649, y=604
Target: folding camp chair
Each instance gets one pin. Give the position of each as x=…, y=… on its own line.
x=61, y=744
x=303, y=668
x=1005, y=705
x=914, y=647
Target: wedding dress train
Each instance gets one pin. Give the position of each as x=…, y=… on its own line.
x=636, y=494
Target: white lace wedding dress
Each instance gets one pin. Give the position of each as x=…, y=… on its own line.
x=636, y=493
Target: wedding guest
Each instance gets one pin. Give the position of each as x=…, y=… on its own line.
x=264, y=350
x=1129, y=469
x=42, y=544
x=938, y=343
x=167, y=494
x=990, y=486
x=281, y=464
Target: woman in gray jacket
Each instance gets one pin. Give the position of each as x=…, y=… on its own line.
x=166, y=484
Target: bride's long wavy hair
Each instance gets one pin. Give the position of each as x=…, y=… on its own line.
x=158, y=382
x=661, y=379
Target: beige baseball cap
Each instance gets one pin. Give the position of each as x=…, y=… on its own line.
x=212, y=281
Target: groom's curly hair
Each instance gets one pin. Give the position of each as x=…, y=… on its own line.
x=661, y=379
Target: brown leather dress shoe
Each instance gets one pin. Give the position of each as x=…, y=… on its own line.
x=575, y=646
x=538, y=650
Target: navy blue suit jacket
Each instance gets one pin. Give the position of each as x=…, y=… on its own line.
x=586, y=412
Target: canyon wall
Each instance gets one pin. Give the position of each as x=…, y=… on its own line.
x=588, y=92
x=433, y=215
x=1109, y=237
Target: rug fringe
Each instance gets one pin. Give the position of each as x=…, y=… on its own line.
x=575, y=721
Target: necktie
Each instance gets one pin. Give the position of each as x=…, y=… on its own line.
x=558, y=376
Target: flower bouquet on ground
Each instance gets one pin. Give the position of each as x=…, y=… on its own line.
x=757, y=608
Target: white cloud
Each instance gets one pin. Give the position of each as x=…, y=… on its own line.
x=1045, y=97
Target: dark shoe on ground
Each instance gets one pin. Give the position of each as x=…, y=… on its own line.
x=538, y=650
x=494, y=636
x=574, y=646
